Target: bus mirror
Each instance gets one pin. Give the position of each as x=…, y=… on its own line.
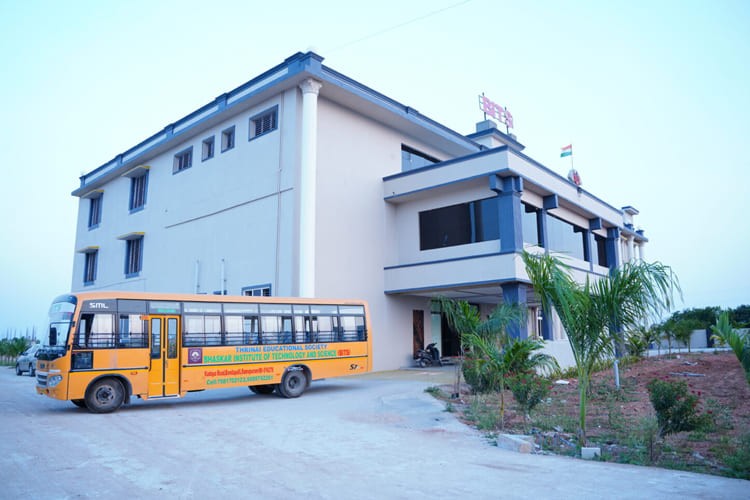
x=52, y=336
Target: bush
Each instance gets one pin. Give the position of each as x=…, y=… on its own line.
x=676, y=409
x=738, y=459
x=475, y=376
x=529, y=389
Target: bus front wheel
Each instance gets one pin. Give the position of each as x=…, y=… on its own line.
x=105, y=395
x=293, y=383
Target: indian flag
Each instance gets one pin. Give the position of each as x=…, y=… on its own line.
x=566, y=151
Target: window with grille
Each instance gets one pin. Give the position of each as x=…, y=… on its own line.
x=183, y=160
x=227, y=139
x=208, y=149
x=138, y=192
x=133, y=256
x=95, y=211
x=264, y=122
x=89, y=267
x=257, y=291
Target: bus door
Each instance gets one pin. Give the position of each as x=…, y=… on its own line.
x=164, y=376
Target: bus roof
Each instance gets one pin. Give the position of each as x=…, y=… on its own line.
x=187, y=297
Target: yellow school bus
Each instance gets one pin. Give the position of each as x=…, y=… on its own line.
x=105, y=347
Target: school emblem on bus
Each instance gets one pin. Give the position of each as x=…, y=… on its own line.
x=195, y=355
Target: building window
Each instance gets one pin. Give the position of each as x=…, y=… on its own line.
x=257, y=291
x=95, y=211
x=227, y=139
x=411, y=159
x=459, y=224
x=601, y=251
x=183, y=160
x=133, y=256
x=138, y=186
x=530, y=225
x=565, y=238
x=207, y=151
x=89, y=267
x=263, y=123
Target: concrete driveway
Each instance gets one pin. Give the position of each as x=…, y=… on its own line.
x=374, y=436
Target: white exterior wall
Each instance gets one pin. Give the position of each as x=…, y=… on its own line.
x=352, y=242
x=229, y=207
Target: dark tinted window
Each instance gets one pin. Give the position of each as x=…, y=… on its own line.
x=530, y=224
x=565, y=238
x=459, y=224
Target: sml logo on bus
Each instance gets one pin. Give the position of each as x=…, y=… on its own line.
x=98, y=305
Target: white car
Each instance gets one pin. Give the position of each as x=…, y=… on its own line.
x=26, y=362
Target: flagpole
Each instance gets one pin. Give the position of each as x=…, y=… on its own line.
x=571, y=156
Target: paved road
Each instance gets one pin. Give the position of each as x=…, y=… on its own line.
x=376, y=436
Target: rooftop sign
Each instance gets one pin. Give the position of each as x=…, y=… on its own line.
x=496, y=111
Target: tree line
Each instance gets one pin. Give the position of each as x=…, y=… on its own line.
x=14, y=344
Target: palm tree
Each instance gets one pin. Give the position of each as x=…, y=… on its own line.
x=466, y=321
x=683, y=330
x=595, y=314
x=490, y=353
x=724, y=334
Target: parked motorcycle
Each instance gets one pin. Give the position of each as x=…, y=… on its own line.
x=429, y=356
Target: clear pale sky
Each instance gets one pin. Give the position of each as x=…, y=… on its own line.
x=654, y=97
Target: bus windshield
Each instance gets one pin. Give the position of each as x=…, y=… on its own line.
x=60, y=319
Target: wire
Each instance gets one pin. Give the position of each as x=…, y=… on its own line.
x=397, y=26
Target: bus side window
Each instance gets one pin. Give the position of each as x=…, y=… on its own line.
x=194, y=334
x=233, y=334
x=324, y=329
x=301, y=329
x=213, y=330
x=270, y=325
x=353, y=328
x=250, y=329
x=286, y=328
x=132, y=331
x=96, y=330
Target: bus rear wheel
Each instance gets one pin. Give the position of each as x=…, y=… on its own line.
x=293, y=383
x=263, y=389
x=105, y=395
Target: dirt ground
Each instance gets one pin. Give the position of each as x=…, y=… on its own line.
x=615, y=419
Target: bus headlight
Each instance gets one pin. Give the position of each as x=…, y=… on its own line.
x=54, y=380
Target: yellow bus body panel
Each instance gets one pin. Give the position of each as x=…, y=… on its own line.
x=209, y=367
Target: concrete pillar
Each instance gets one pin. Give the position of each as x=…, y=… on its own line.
x=307, y=186
x=613, y=247
x=631, y=250
x=509, y=191
x=515, y=293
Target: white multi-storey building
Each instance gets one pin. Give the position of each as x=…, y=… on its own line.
x=304, y=182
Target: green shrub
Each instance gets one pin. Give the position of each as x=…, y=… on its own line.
x=738, y=459
x=529, y=389
x=482, y=414
x=676, y=409
x=644, y=445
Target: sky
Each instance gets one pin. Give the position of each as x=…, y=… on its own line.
x=654, y=97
